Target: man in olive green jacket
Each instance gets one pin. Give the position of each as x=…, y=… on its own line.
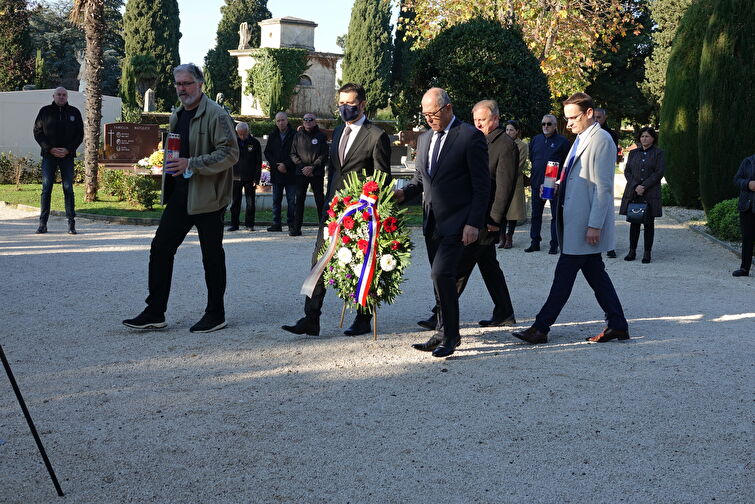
x=196, y=189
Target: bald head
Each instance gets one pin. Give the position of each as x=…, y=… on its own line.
x=437, y=109
x=60, y=96
x=281, y=120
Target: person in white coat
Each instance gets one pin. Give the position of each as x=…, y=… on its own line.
x=585, y=225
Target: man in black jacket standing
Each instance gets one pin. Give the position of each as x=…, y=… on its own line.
x=246, y=176
x=282, y=176
x=59, y=130
x=309, y=154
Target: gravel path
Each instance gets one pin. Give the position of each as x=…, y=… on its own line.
x=252, y=414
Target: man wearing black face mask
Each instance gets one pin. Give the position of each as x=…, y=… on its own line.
x=357, y=145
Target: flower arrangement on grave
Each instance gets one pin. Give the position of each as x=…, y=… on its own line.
x=154, y=162
x=265, y=174
x=367, y=246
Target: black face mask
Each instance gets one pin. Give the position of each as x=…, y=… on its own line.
x=349, y=112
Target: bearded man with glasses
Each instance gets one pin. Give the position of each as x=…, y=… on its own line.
x=548, y=146
x=196, y=189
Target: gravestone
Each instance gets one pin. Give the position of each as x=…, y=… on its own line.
x=82, y=70
x=128, y=142
x=149, y=100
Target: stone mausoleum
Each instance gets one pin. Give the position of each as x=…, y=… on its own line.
x=317, y=86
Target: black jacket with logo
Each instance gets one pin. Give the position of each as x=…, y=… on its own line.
x=310, y=148
x=279, y=151
x=59, y=127
x=249, y=165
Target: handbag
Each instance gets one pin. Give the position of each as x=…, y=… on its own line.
x=636, y=210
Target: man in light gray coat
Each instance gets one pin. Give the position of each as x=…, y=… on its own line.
x=585, y=224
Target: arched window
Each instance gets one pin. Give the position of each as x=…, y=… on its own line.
x=305, y=81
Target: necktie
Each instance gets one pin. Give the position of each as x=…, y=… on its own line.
x=436, y=150
x=342, y=145
x=567, y=168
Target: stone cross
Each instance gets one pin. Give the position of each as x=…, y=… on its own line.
x=244, y=36
x=149, y=100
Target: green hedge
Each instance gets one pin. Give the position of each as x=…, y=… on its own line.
x=667, y=196
x=723, y=220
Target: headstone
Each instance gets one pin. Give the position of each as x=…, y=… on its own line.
x=128, y=142
x=82, y=70
x=244, y=36
x=149, y=100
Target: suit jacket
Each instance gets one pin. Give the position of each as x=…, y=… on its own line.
x=503, y=158
x=370, y=151
x=277, y=151
x=458, y=192
x=587, y=199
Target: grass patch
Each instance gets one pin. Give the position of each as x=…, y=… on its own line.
x=29, y=194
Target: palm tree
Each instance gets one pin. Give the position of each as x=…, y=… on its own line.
x=90, y=15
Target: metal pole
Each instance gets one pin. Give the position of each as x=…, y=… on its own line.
x=29, y=421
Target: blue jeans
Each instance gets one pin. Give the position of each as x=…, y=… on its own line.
x=49, y=166
x=538, y=205
x=290, y=203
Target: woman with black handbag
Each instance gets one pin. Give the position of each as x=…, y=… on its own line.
x=644, y=171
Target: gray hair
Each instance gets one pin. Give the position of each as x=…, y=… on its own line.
x=282, y=114
x=242, y=126
x=491, y=105
x=441, y=96
x=191, y=69
x=600, y=109
x=551, y=116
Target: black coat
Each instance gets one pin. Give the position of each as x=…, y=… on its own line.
x=310, y=148
x=277, y=151
x=503, y=160
x=59, y=127
x=744, y=176
x=644, y=167
x=249, y=165
x=458, y=192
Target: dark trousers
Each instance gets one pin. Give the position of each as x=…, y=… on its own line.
x=250, y=192
x=747, y=223
x=445, y=254
x=511, y=226
x=50, y=165
x=484, y=257
x=594, y=271
x=175, y=224
x=538, y=205
x=634, y=233
x=318, y=191
x=278, y=203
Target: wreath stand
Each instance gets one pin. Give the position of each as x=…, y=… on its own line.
x=374, y=320
x=29, y=421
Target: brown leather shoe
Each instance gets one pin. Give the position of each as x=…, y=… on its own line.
x=532, y=336
x=506, y=241
x=609, y=334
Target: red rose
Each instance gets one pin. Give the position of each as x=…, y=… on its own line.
x=332, y=228
x=370, y=187
x=347, y=200
x=362, y=244
x=389, y=225
x=331, y=214
x=348, y=222
x=395, y=245
x=366, y=216
x=345, y=239
x=335, y=200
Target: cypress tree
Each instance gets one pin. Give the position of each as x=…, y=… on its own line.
x=17, y=60
x=367, y=58
x=727, y=72
x=152, y=27
x=679, y=113
x=222, y=66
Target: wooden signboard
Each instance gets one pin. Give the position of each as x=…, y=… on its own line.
x=128, y=142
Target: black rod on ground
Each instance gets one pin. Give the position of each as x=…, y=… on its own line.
x=29, y=421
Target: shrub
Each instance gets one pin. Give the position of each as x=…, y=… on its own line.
x=79, y=171
x=667, y=196
x=141, y=190
x=30, y=169
x=114, y=183
x=723, y=220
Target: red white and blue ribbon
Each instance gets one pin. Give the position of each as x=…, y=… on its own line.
x=367, y=203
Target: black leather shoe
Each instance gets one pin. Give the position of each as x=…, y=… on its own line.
x=646, y=257
x=275, y=228
x=631, y=256
x=611, y=254
x=446, y=348
x=361, y=325
x=42, y=229
x=231, y=229
x=494, y=322
x=533, y=248
x=740, y=272
x=72, y=229
x=532, y=336
x=304, y=326
x=429, y=324
x=294, y=232
x=553, y=250
x=429, y=345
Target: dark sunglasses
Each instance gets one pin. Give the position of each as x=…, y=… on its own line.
x=308, y=119
x=547, y=124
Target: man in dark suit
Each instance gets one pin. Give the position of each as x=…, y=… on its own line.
x=358, y=145
x=550, y=146
x=282, y=171
x=453, y=176
x=585, y=224
x=503, y=161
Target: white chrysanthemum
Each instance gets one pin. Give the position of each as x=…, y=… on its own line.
x=357, y=268
x=344, y=255
x=387, y=262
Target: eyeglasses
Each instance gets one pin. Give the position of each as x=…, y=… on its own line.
x=308, y=119
x=184, y=84
x=547, y=124
x=433, y=115
x=574, y=118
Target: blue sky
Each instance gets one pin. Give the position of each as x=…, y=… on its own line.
x=199, y=21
